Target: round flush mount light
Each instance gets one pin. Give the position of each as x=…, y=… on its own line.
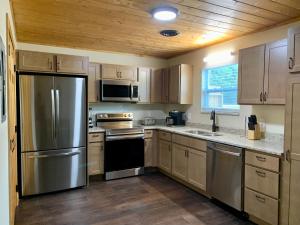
x=165, y=13
x=169, y=33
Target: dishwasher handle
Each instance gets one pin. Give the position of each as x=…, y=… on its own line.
x=236, y=154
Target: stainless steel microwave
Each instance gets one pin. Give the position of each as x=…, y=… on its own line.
x=119, y=91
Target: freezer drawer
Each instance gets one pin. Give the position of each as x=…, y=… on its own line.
x=48, y=171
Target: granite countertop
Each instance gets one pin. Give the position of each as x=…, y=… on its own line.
x=274, y=147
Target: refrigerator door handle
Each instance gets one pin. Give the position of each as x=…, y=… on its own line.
x=53, y=113
x=54, y=155
x=57, y=108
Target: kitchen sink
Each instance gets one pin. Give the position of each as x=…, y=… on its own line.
x=203, y=133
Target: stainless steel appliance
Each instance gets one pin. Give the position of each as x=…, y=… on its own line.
x=225, y=169
x=148, y=121
x=124, y=145
x=119, y=91
x=169, y=121
x=179, y=118
x=53, y=121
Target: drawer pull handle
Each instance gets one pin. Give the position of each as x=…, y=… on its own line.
x=96, y=136
x=261, y=199
x=260, y=173
x=262, y=159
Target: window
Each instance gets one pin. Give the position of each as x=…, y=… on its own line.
x=219, y=89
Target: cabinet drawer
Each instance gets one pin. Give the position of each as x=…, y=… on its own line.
x=148, y=133
x=262, y=181
x=96, y=137
x=190, y=142
x=261, y=206
x=165, y=135
x=263, y=161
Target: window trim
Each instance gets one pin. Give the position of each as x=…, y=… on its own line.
x=206, y=110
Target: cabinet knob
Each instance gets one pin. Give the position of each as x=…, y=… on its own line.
x=265, y=96
x=291, y=63
x=261, y=97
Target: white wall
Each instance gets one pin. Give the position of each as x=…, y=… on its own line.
x=4, y=181
x=272, y=115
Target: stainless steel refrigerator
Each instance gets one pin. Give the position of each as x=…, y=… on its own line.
x=52, y=114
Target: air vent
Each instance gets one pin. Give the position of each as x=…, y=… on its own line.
x=169, y=33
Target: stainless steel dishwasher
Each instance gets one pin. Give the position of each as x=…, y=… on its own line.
x=225, y=174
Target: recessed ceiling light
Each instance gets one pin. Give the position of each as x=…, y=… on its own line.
x=165, y=13
x=169, y=33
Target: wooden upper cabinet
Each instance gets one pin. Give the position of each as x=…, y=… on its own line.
x=127, y=73
x=47, y=62
x=276, y=72
x=251, y=75
x=109, y=71
x=156, y=86
x=165, y=85
x=36, y=61
x=72, y=64
x=294, y=50
x=174, y=84
x=144, y=79
x=181, y=84
x=263, y=74
x=117, y=72
x=93, y=82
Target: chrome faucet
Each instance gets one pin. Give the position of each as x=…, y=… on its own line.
x=213, y=118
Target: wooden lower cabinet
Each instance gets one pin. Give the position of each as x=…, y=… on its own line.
x=96, y=154
x=148, y=152
x=189, y=165
x=197, y=168
x=262, y=187
x=261, y=206
x=165, y=156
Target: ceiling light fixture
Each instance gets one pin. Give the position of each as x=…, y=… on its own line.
x=165, y=13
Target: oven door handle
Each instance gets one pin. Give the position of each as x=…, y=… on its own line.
x=124, y=137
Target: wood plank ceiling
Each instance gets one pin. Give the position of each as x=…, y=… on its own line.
x=127, y=26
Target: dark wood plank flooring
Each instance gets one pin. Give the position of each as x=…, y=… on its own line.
x=151, y=199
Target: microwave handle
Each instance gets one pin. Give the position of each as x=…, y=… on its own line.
x=131, y=90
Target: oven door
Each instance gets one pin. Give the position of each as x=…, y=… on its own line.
x=123, y=156
x=118, y=91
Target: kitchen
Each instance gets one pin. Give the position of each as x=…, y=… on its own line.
x=196, y=128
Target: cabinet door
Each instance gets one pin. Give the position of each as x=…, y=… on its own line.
x=109, y=72
x=186, y=84
x=179, y=161
x=36, y=61
x=72, y=64
x=127, y=73
x=156, y=86
x=291, y=168
x=165, y=85
x=174, y=84
x=144, y=84
x=165, y=156
x=148, y=152
x=96, y=158
x=275, y=72
x=251, y=75
x=93, y=82
x=294, y=50
x=197, y=168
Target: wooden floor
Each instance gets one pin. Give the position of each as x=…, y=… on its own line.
x=151, y=199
